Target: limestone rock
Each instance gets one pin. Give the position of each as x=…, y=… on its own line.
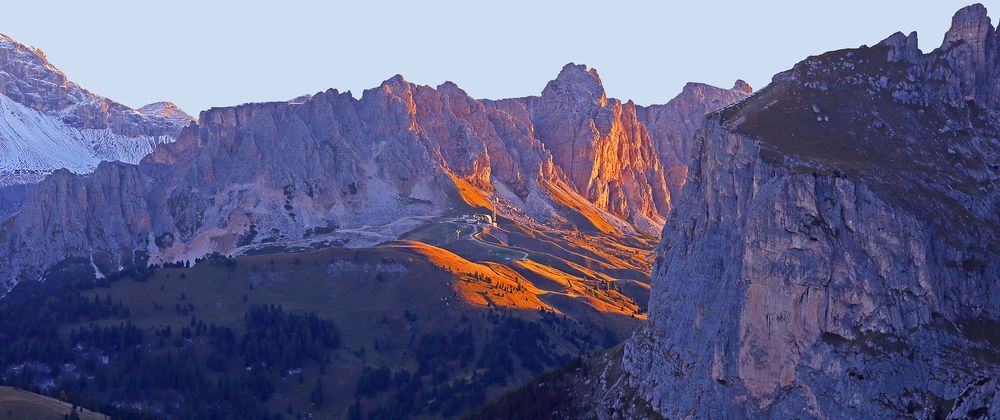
x=278, y=172
x=902, y=47
x=833, y=253
x=601, y=145
x=980, y=400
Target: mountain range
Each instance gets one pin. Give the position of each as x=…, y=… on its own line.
x=834, y=251
x=488, y=213
x=825, y=247
x=328, y=164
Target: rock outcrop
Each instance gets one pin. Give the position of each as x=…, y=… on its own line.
x=834, y=252
x=627, y=159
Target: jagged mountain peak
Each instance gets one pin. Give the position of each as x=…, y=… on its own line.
x=449, y=86
x=572, y=70
x=395, y=86
x=394, y=83
x=579, y=83
x=902, y=47
x=970, y=24
x=54, y=123
x=398, y=78
x=27, y=77
x=8, y=43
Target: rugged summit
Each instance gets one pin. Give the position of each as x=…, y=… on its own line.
x=602, y=147
x=50, y=122
x=834, y=252
x=318, y=167
x=627, y=159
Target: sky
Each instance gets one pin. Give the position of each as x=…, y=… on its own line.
x=206, y=53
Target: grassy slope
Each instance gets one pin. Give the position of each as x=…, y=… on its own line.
x=23, y=405
x=366, y=291
x=451, y=285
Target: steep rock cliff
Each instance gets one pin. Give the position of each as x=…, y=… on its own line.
x=834, y=253
x=601, y=145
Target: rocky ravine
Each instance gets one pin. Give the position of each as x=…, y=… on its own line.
x=273, y=172
x=834, y=253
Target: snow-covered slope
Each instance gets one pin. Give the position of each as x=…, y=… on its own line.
x=48, y=122
x=33, y=144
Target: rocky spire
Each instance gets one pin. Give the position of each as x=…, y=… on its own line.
x=972, y=26
x=967, y=59
x=902, y=47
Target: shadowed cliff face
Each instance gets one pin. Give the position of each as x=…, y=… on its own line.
x=834, y=250
x=326, y=163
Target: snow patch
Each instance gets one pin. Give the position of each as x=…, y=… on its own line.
x=33, y=144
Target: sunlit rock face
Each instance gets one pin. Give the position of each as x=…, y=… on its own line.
x=627, y=159
x=283, y=171
x=601, y=145
x=834, y=251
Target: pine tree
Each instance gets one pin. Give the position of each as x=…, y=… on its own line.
x=354, y=413
x=317, y=394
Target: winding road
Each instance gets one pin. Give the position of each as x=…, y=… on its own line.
x=474, y=235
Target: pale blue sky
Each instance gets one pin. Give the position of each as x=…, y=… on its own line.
x=216, y=53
